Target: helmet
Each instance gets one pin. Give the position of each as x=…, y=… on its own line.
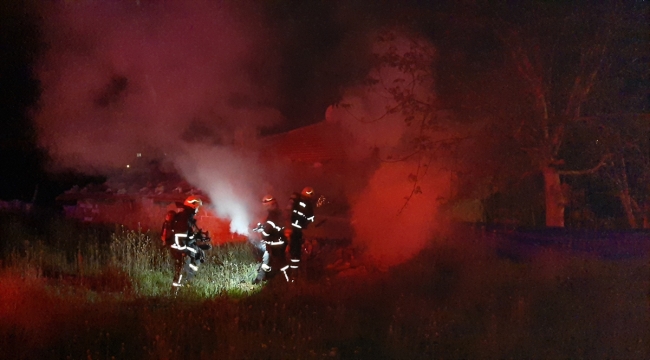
x=193, y=202
x=307, y=192
x=269, y=200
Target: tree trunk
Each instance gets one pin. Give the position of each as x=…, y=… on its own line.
x=626, y=200
x=554, y=196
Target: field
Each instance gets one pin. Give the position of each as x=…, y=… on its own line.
x=69, y=291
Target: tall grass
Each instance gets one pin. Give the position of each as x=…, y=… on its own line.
x=66, y=292
x=135, y=254
x=54, y=249
x=130, y=262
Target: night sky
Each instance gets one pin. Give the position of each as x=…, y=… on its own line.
x=86, y=84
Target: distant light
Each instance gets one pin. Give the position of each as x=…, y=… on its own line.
x=128, y=166
x=138, y=154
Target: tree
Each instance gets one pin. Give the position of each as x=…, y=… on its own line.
x=628, y=170
x=558, y=50
x=398, y=101
x=537, y=71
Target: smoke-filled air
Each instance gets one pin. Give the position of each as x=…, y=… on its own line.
x=194, y=83
x=298, y=179
x=168, y=79
x=395, y=215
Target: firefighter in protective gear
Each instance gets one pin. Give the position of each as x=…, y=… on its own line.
x=301, y=215
x=185, y=251
x=275, y=244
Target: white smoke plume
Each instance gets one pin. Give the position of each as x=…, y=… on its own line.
x=123, y=77
x=228, y=177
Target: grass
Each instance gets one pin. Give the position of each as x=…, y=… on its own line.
x=150, y=268
x=69, y=291
x=122, y=262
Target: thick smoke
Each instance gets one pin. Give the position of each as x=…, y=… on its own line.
x=389, y=233
x=121, y=78
x=118, y=78
x=195, y=82
x=395, y=215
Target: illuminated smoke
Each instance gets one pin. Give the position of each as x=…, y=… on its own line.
x=227, y=177
x=175, y=78
x=124, y=77
x=388, y=222
x=390, y=234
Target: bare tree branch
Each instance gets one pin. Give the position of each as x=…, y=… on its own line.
x=603, y=162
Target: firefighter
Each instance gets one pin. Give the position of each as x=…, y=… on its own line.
x=301, y=214
x=275, y=244
x=185, y=251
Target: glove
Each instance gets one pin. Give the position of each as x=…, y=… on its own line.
x=258, y=228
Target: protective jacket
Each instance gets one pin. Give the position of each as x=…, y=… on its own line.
x=185, y=251
x=186, y=233
x=301, y=215
x=272, y=230
x=302, y=211
x=274, y=244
